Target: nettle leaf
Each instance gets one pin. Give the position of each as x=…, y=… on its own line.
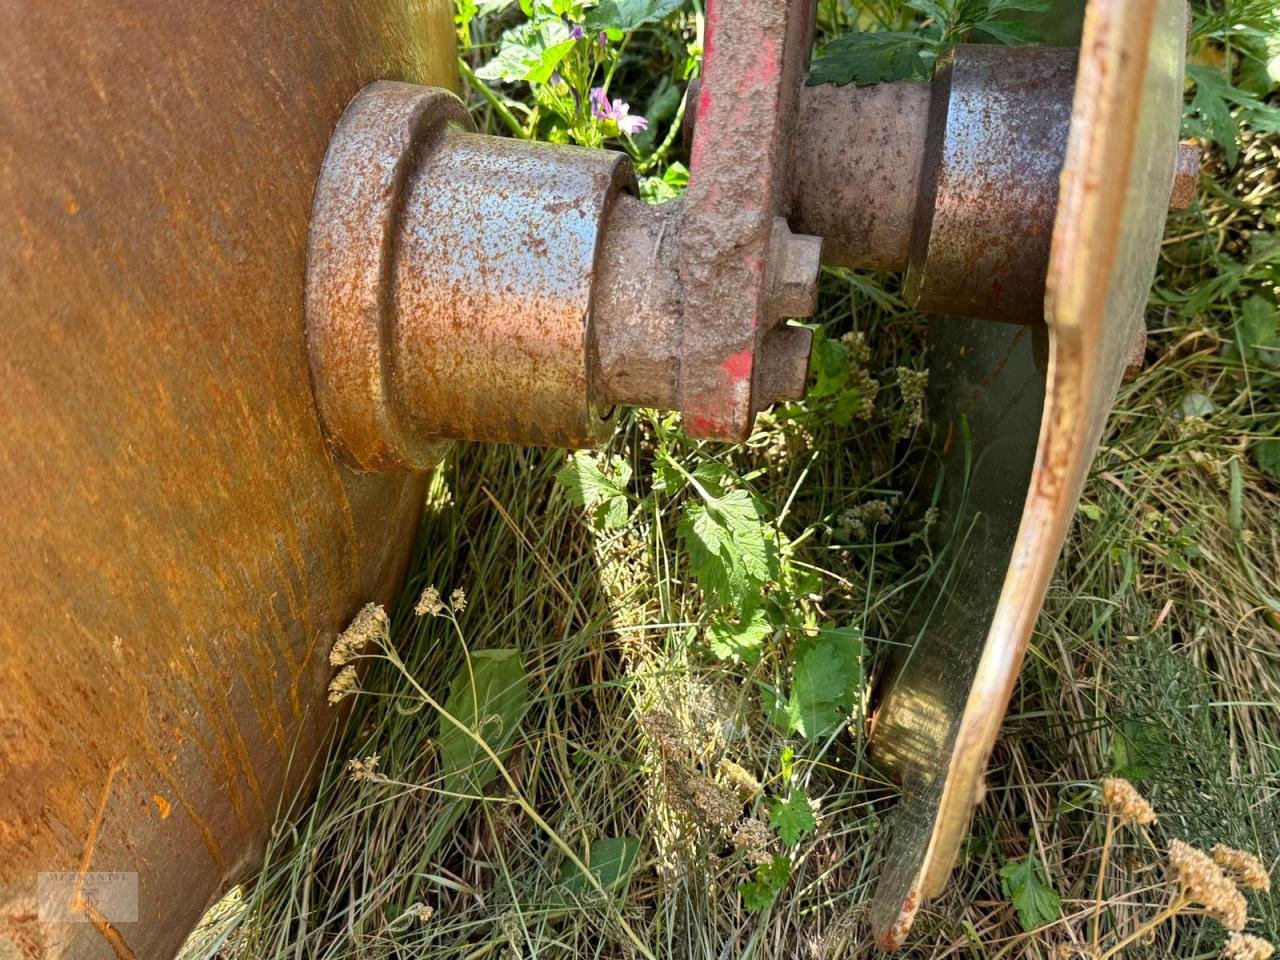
x=1266, y=453
x=627, y=15
x=1026, y=883
x=793, y=817
x=741, y=641
x=771, y=878
x=610, y=860
x=830, y=366
x=867, y=58
x=826, y=677
x=605, y=494
x=732, y=552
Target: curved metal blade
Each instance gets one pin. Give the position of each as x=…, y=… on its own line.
x=943, y=707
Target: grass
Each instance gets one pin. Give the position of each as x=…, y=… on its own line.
x=1156, y=656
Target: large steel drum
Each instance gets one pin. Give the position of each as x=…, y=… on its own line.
x=179, y=548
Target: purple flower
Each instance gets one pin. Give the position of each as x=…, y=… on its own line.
x=577, y=32
x=602, y=40
x=619, y=111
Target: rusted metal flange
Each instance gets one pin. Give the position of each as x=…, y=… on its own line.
x=449, y=282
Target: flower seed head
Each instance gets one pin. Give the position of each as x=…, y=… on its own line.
x=1120, y=797
x=747, y=785
x=753, y=840
x=342, y=685
x=458, y=600
x=370, y=625
x=429, y=604
x=1204, y=883
x=1243, y=946
x=364, y=769
x=1242, y=866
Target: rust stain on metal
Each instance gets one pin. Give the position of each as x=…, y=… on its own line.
x=998, y=120
x=856, y=163
x=753, y=64
x=169, y=487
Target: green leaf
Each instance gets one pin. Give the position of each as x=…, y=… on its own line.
x=830, y=366
x=1218, y=108
x=1256, y=331
x=1266, y=453
x=867, y=58
x=826, y=678
x=605, y=494
x=1027, y=885
x=732, y=553
x=793, y=817
x=610, y=861
x=529, y=52
x=1008, y=32
x=627, y=15
x=742, y=641
x=489, y=700
x=1021, y=6
x=771, y=877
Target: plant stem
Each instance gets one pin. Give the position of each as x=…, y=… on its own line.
x=1102, y=874
x=1178, y=903
x=500, y=108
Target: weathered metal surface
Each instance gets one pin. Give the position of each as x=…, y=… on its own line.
x=998, y=120
x=935, y=727
x=636, y=307
x=754, y=59
x=179, y=547
x=855, y=161
x=493, y=290
x=382, y=139
x=449, y=282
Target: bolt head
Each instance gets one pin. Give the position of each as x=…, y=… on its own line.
x=795, y=260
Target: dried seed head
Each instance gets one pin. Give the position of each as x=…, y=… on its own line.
x=342, y=685
x=666, y=733
x=1121, y=798
x=458, y=600
x=1203, y=883
x=718, y=805
x=740, y=777
x=1243, y=946
x=429, y=604
x=1242, y=866
x=370, y=624
x=364, y=768
x=753, y=840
